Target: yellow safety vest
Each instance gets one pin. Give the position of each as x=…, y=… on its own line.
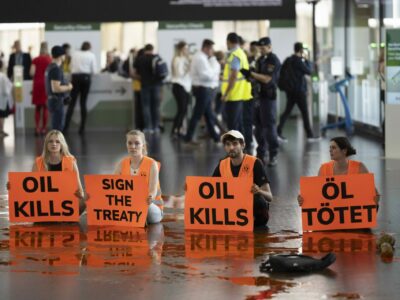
x=242, y=88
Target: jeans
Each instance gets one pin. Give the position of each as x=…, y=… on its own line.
x=265, y=123
x=151, y=98
x=299, y=98
x=202, y=107
x=55, y=106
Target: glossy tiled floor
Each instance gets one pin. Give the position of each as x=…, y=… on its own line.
x=72, y=261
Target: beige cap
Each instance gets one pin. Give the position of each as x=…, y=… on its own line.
x=236, y=134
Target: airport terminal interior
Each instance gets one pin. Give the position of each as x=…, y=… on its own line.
x=352, y=91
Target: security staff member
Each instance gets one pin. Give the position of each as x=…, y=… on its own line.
x=236, y=90
x=266, y=74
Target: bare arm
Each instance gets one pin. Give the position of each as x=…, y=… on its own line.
x=117, y=169
x=32, y=70
x=80, y=189
x=231, y=83
x=56, y=87
x=34, y=167
x=153, y=180
x=264, y=190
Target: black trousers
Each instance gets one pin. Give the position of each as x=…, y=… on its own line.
x=182, y=100
x=81, y=86
x=293, y=98
x=260, y=211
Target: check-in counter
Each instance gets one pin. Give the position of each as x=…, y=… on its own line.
x=109, y=104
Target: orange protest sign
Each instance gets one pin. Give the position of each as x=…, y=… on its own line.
x=110, y=246
x=216, y=203
x=116, y=200
x=338, y=202
x=43, y=197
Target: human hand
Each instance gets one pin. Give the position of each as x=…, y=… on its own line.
x=70, y=86
x=149, y=199
x=8, y=186
x=255, y=189
x=79, y=194
x=300, y=199
x=377, y=198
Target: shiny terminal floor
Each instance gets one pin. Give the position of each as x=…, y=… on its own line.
x=163, y=261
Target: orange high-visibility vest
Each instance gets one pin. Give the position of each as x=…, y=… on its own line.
x=144, y=170
x=67, y=164
x=246, y=169
x=353, y=168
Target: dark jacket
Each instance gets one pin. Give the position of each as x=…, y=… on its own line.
x=300, y=67
x=26, y=63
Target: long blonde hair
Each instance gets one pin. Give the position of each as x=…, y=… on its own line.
x=140, y=134
x=178, y=52
x=64, y=151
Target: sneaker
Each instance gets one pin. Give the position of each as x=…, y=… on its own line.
x=273, y=161
x=282, y=139
x=313, y=138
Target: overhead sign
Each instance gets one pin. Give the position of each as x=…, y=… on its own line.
x=116, y=200
x=43, y=197
x=149, y=10
x=217, y=203
x=338, y=202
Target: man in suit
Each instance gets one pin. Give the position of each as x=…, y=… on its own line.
x=18, y=58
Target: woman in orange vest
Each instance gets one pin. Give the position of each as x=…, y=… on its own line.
x=56, y=157
x=138, y=164
x=340, y=149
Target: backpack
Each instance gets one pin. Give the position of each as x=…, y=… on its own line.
x=160, y=68
x=287, y=77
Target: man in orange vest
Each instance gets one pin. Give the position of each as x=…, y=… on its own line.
x=238, y=164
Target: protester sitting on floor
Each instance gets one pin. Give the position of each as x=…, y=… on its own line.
x=238, y=164
x=56, y=157
x=340, y=149
x=138, y=164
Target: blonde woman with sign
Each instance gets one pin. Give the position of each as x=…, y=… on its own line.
x=340, y=149
x=56, y=157
x=137, y=163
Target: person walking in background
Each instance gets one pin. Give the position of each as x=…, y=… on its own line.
x=203, y=71
x=66, y=65
x=181, y=85
x=299, y=67
x=39, y=96
x=83, y=65
x=5, y=99
x=19, y=58
x=57, y=88
x=151, y=83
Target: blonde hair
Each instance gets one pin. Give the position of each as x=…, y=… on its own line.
x=178, y=52
x=44, y=49
x=140, y=134
x=64, y=151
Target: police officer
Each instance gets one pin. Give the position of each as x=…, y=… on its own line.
x=266, y=74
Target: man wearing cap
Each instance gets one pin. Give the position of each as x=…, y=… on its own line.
x=57, y=88
x=266, y=74
x=236, y=90
x=298, y=95
x=239, y=164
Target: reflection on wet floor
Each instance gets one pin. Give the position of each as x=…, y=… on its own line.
x=186, y=260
